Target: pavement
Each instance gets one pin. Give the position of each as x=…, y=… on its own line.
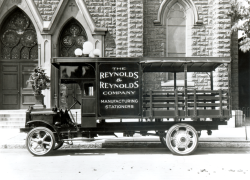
x=225, y=137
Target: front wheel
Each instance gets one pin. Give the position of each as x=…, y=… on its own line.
x=40, y=141
x=182, y=139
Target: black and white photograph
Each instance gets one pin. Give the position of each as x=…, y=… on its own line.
x=124, y=89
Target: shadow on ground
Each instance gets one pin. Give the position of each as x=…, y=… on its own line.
x=145, y=151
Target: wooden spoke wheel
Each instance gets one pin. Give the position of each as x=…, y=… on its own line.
x=58, y=145
x=182, y=139
x=40, y=141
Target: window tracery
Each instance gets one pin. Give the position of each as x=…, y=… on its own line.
x=18, y=38
x=72, y=37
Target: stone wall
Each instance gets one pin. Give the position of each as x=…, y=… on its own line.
x=132, y=33
x=211, y=38
x=121, y=28
x=104, y=14
x=46, y=8
x=154, y=37
x=135, y=28
x=124, y=20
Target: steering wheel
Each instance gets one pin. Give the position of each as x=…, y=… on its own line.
x=76, y=100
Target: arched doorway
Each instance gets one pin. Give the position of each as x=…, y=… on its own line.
x=18, y=57
x=71, y=37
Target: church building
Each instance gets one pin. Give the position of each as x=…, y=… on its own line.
x=32, y=32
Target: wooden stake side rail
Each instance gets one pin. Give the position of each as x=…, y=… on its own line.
x=192, y=104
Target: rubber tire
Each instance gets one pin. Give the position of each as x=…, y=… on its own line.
x=58, y=145
x=168, y=135
x=41, y=129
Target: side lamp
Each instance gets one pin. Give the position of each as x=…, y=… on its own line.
x=88, y=51
x=97, y=53
x=87, y=48
x=78, y=52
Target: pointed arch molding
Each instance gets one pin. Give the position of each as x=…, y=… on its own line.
x=167, y=4
x=47, y=26
x=6, y=6
x=84, y=11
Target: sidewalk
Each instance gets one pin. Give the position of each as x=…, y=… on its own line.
x=224, y=137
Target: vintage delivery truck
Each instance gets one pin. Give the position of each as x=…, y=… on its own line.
x=113, y=88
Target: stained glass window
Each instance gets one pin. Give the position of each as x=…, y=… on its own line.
x=18, y=37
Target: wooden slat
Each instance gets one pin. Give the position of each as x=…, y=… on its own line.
x=160, y=99
x=195, y=107
x=176, y=103
x=221, y=110
x=229, y=87
x=181, y=114
x=205, y=98
x=188, y=91
x=151, y=104
x=185, y=90
x=148, y=92
x=207, y=91
x=156, y=96
x=181, y=99
x=207, y=104
x=175, y=81
x=162, y=105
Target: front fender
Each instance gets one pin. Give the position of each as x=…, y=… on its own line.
x=51, y=127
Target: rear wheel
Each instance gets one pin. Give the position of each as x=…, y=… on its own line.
x=182, y=139
x=40, y=141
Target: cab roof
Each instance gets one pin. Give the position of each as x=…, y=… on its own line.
x=152, y=64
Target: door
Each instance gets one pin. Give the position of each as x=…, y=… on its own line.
x=15, y=93
x=9, y=86
x=26, y=94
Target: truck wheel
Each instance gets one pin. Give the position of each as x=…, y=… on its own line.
x=58, y=145
x=182, y=139
x=40, y=141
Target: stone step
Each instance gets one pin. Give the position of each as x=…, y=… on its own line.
x=12, y=119
x=22, y=119
x=13, y=111
x=12, y=123
x=11, y=126
x=15, y=119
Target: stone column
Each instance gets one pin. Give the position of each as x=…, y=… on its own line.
x=121, y=28
x=45, y=63
x=221, y=29
x=234, y=71
x=221, y=42
x=135, y=28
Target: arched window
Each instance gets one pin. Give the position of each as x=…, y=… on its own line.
x=18, y=37
x=72, y=37
x=176, y=31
